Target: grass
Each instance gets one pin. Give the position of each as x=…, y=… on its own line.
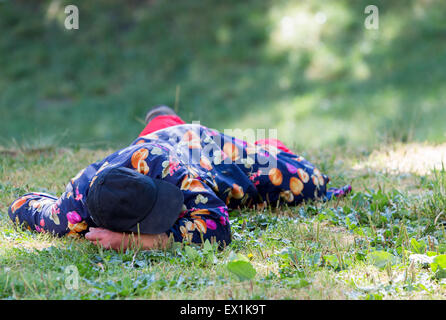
x=360, y=247
x=367, y=106
x=235, y=67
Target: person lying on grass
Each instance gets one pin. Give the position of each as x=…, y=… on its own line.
x=176, y=180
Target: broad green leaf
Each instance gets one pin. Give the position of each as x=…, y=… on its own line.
x=242, y=269
x=381, y=258
x=440, y=260
x=439, y=266
x=191, y=252
x=331, y=260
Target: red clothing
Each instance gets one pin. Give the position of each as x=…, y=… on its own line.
x=165, y=121
x=161, y=122
x=275, y=142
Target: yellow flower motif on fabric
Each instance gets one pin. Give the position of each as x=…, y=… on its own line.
x=196, y=186
x=205, y=163
x=318, y=179
x=185, y=234
x=54, y=214
x=143, y=168
x=199, y=212
x=303, y=175
x=296, y=186
x=275, y=176
x=138, y=160
x=315, y=181
x=19, y=203
x=217, y=158
x=191, y=184
x=287, y=196
x=201, y=199
x=38, y=204
x=78, y=227
x=166, y=168
x=193, y=171
x=248, y=162
x=156, y=151
x=191, y=139
x=190, y=226
x=212, y=183
x=139, y=155
x=169, y=166
x=200, y=224
x=231, y=151
x=236, y=192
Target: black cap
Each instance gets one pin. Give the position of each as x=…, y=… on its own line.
x=122, y=199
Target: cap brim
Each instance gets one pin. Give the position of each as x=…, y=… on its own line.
x=165, y=211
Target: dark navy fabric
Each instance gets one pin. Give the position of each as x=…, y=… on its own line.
x=215, y=172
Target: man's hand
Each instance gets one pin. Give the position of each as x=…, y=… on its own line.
x=107, y=239
x=119, y=240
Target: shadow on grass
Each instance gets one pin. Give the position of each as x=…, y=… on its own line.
x=229, y=64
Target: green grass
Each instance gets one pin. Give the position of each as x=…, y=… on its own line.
x=313, y=251
x=336, y=83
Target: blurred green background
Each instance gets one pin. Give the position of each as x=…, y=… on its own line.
x=308, y=68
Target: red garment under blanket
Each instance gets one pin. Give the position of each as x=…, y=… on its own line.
x=165, y=121
x=161, y=122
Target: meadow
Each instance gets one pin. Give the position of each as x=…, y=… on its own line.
x=366, y=106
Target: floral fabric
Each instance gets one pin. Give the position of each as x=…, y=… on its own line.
x=215, y=172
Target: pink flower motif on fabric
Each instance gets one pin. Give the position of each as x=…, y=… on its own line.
x=55, y=209
x=291, y=168
x=211, y=224
x=173, y=165
x=223, y=210
x=73, y=217
x=78, y=195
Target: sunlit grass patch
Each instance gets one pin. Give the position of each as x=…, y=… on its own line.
x=416, y=158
